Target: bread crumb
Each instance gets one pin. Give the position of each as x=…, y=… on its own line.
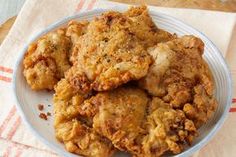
x=43, y=116
x=40, y=107
x=48, y=114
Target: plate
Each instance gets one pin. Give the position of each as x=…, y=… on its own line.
x=27, y=99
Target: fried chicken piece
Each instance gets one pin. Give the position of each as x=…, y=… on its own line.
x=109, y=56
x=113, y=50
x=119, y=115
x=74, y=130
x=67, y=101
x=180, y=76
x=168, y=130
x=42, y=74
x=75, y=29
x=177, y=63
x=145, y=29
x=105, y=65
x=46, y=60
x=82, y=140
x=202, y=108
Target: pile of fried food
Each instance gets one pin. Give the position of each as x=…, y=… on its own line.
x=121, y=83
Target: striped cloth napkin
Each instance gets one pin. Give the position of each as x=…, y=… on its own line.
x=16, y=140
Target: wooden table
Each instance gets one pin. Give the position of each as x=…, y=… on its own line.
x=230, y=5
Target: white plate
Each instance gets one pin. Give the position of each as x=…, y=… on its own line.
x=28, y=99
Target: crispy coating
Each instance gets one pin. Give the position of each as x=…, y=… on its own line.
x=74, y=130
x=82, y=140
x=75, y=29
x=202, y=108
x=145, y=29
x=175, y=61
x=46, y=60
x=168, y=130
x=95, y=114
x=182, y=78
x=67, y=101
x=133, y=124
x=108, y=58
x=113, y=51
x=119, y=115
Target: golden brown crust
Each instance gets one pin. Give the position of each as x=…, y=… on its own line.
x=74, y=130
x=178, y=63
x=75, y=29
x=145, y=29
x=119, y=115
x=66, y=102
x=46, y=60
x=181, y=77
x=202, y=108
x=42, y=74
x=168, y=130
x=95, y=114
x=109, y=58
x=82, y=140
x=113, y=50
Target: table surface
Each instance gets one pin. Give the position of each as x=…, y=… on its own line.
x=9, y=8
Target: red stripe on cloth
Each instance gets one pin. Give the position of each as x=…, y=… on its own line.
x=233, y=109
x=19, y=151
x=10, y=148
x=16, y=143
x=80, y=5
x=5, y=69
x=91, y=4
x=4, y=78
x=234, y=100
x=23, y=146
x=8, y=151
x=15, y=126
x=7, y=119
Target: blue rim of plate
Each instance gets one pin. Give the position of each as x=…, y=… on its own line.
x=186, y=153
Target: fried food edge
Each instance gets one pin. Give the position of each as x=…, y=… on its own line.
x=72, y=129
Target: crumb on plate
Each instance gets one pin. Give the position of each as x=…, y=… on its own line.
x=49, y=114
x=43, y=116
x=40, y=107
